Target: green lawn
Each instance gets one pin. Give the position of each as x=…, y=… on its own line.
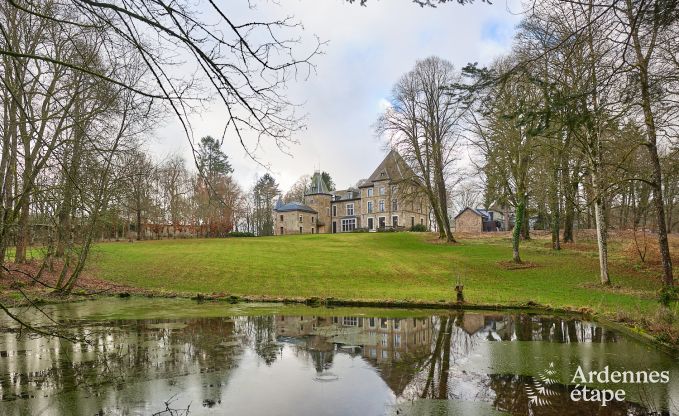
x=375, y=266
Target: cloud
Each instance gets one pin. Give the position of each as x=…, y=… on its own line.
x=369, y=49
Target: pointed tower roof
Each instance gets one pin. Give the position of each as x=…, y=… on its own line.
x=318, y=185
x=393, y=169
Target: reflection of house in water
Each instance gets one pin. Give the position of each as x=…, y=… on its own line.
x=382, y=341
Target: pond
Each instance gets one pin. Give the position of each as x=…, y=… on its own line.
x=174, y=357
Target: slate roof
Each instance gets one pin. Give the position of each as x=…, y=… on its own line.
x=318, y=185
x=294, y=206
x=480, y=212
x=393, y=169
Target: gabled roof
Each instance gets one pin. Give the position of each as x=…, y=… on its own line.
x=318, y=185
x=393, y=169
x=294, y=206
x=480, y=212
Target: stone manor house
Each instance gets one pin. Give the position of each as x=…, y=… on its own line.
x=386, y=200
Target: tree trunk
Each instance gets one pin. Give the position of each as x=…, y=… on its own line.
x=516, y=234
x=555, y=208
x=642, y=64
x=601, y=232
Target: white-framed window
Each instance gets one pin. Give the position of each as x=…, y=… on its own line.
x=385, y=354
x=370, y=192
x=370, y=207
x=301, y=218
x=397, y=324
x=371, y=322
x=394, y=221
x=394, y=204
x=350, y=209
x=397, y=340
x=385, y=340
x=382, y=190
x=350, y=321
x=381, y=222
x=381, y=205
x=348, y=224
x=371, y=223
x=383, y=323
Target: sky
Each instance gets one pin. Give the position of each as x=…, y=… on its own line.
x=367, y=51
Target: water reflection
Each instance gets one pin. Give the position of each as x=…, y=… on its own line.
x=460, y=363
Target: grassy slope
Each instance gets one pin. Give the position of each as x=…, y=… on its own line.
x=385, y=266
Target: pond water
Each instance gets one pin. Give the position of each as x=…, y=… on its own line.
x=151, y=356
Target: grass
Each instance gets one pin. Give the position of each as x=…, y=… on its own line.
x=379, y=267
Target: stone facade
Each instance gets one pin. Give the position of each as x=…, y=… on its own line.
x=469, y=221
x=385, y=200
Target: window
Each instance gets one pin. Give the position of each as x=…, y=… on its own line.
x=300, y=230
x=371, y=322
x=370, y=207
x=381, y=222
x=382, y=190
x=393, y=189
x=385, y=340
x=422, y=221
x=383, y=323
x=370, y=191
x=412, y=221
x=334, y=210
x=397, y=324
x=281, y=218
x=394, y=205
x=350, y=209
x=301, y=218
x=282, y=231
x=394, y=221
x=312, y=230
x=397, y=340
x=350, y=321
x=348, y=224
x=381, y=205
x=370, y=224
x=385, y=354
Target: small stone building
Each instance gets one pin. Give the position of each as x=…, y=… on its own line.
x=295, y=218
x=474, y=220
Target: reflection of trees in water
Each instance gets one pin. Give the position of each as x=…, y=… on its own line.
x=118, y=352
x=456, y=336
x=549, y=329
x=511, y=397
x=259, y=332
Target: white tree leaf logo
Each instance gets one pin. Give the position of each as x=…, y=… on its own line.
x=541, y=391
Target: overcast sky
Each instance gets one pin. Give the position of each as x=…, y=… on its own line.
x=368, y=49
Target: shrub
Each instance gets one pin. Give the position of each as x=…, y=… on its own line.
x=240, y=234
x=419, y=228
